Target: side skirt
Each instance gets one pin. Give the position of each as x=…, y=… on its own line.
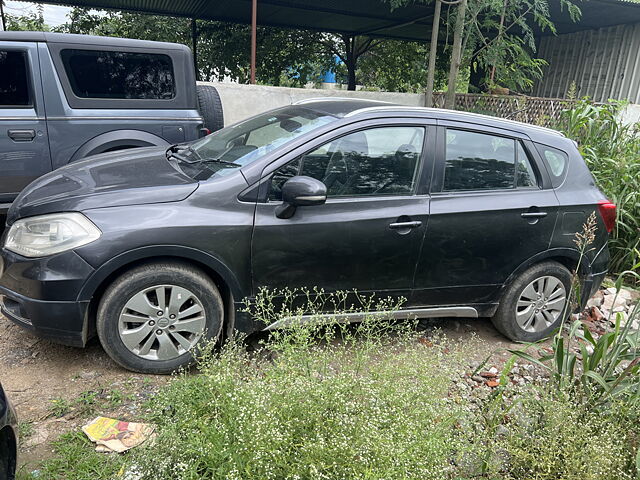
x=410, y=313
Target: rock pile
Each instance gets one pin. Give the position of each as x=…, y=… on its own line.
x=603, y=308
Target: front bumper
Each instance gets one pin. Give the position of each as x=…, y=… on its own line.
x=41, y=295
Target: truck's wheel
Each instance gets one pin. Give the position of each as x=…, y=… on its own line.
x=152, y=318
x=210, y=107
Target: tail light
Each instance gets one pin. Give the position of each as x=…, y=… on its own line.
x=608, y=213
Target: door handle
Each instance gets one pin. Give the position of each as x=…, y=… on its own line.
x=22, y=135
x=398, y=225
x=533, y=214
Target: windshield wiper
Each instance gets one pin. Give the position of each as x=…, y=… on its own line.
x=175, y=151
x=219, y=160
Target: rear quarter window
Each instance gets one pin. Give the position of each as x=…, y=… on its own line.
x=119, y=75
x=556, y=161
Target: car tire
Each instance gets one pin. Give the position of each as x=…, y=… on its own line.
x=152, y=318
x=7, y=455
x=534, y=304
x=210, y=107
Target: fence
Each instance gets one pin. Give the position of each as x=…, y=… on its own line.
x=535, y=110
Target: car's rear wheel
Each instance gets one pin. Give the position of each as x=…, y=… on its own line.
x=534, y=305
x=152, y=318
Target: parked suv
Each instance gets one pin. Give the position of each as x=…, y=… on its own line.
x=155, y=249
x=66, y=97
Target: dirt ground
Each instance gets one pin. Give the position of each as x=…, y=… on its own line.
x=56, y=389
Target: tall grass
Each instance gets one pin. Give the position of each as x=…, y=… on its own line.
x=612, y=152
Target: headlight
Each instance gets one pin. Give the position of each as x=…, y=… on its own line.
x=49, y=234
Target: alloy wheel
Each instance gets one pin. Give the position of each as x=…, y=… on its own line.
x=162, y=322
x=541, y=303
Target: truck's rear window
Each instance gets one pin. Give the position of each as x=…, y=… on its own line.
x=14, y=85
x=110, y=74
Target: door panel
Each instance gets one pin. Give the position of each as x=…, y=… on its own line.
x=24, y=147
x=342, y=245
x=476, y=240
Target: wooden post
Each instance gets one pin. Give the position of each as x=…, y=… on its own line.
x=254, y=30
x=456, y=57
x=433, y=53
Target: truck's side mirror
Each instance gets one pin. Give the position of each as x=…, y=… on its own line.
x=300, y=191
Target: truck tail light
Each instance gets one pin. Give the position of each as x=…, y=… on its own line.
x=608, y=213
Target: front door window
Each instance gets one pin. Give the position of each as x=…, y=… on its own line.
x=378, y=161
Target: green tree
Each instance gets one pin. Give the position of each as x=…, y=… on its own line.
x=33, y=21
x=499, y=39
x=285, y=56
x=399, y=66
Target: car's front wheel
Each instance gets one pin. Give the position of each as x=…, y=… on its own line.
x=151, y=319
x=534, y=305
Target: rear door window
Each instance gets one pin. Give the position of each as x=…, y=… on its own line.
x=14, y=81
x=119, y=75
x=479, y=161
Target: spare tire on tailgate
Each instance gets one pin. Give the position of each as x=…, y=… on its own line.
x=210, y=107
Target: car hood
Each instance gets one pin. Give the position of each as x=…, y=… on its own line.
x=130, y=177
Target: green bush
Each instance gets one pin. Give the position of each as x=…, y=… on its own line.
x=378, y=410
x=550, y=437
x=612, y=151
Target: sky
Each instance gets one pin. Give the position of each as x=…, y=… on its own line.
x=53, y=15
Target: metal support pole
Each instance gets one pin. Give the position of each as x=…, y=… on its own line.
x=194, y=46
x=4, y=22
x=254, y=29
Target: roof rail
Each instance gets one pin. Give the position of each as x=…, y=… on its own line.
x=457, y=112
x=330, y=99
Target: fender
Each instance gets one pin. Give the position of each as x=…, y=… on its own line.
x=175, y=251
x=585, y=266
x=118, y=139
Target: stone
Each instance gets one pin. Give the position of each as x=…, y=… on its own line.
x=596, y=300
x=613, y=301
x=38, y=438
x=624, y=293
x=596, y=314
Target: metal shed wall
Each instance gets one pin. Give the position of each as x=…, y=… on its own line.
x=604, y=63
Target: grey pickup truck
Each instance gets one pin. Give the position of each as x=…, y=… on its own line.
x=64, y=97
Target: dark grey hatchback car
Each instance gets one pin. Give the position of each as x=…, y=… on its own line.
x=153, y=249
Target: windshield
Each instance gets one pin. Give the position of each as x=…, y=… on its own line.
x=238, y=145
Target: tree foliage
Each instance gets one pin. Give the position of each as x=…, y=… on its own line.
x=498, y=46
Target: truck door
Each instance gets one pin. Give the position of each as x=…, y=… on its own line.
x=24, y=145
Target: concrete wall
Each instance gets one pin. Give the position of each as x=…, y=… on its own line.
x=240, y=101
x=631, y=114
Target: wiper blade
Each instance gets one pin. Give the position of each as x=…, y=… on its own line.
x=219, y=160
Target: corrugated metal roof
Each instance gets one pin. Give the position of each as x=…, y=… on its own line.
x=357, y=17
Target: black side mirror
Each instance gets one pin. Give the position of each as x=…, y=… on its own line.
x=300, y=191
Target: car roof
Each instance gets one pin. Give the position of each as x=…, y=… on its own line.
x=354, y=107
x=87, y=40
